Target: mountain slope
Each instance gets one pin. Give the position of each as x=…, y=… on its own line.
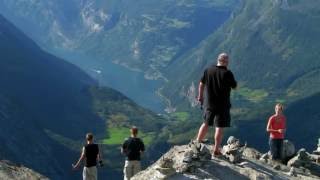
x=40, y=92
x=8, y=170
x=303, y=116
x=47, y=106
x=144, y=35
x=272, y=47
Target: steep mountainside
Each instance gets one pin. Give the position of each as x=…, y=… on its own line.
x=144, y=35
x=303, y=116
x=273, y=52
x=47, y=106
x=40, y=92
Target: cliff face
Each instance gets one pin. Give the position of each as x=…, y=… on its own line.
x=194, y=161
x=9, y=170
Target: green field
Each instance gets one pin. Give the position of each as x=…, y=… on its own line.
x=116, y=136
x=181, y=116
x=253, y=95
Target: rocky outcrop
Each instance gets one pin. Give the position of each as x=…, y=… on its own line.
x=9, y=170
x=289, y=151
x=194, y=161
x=307, y=162
x=317, y=151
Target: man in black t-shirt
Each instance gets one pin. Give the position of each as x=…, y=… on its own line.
x=218, y=81
x=132, y=147
x=90, y=153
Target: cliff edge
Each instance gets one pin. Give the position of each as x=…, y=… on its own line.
x=9, y=170
x=194, y=161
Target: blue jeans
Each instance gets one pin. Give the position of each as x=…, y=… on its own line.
x=276, y=148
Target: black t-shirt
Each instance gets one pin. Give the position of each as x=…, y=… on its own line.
x=218, y=81
x=132, y=147
x=91, y=152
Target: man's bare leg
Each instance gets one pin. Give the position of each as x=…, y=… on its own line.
x=202, y=132
x=217, y=139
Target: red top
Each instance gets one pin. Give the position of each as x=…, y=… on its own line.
x=277, y=122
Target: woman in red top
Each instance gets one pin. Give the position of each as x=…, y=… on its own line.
x=277, y=127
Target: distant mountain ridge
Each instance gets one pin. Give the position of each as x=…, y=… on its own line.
x=145, y=35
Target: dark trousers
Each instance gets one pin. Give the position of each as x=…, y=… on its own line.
x=276, y=148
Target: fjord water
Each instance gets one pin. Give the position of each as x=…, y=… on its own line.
x=131, y=83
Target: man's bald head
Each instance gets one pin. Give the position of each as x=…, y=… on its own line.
x=223, y=59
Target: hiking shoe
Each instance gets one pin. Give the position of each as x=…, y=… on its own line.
x=205, y=141
x=216, y=154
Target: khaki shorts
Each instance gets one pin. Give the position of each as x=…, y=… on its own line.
x=131, y=168
x=90, y=173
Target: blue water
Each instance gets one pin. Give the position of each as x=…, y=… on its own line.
x=131, y=83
